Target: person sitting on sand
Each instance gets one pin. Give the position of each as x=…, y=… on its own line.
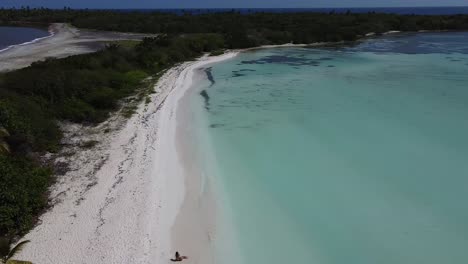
x=178, y=257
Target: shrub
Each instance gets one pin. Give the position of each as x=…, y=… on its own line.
x=23, y=187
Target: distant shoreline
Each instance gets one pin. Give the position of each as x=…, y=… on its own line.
x=64, y=41
x=51, y=34
x=418, y=10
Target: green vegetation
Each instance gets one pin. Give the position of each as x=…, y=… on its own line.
x=241, y=31
x=6, y=254
x=126, y=43
x=86, y=88
x=83, y=89
x=217, y=52
x=23, y=187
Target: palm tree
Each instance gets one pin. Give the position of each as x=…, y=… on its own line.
x=6, y=253
x=4, y=148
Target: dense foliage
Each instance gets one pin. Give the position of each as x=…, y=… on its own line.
x=86, y=88
x=83, y=88
x=23, y=186
x=245, y=30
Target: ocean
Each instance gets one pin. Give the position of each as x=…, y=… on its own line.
x=10, y=36
x=332, y=155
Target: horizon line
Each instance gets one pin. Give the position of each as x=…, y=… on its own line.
x=155, y=8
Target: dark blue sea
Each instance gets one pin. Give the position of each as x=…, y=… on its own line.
x=446, y=10
x=17, y=35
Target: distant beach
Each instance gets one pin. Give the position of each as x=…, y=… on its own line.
x=64, y=40
x=12, y=36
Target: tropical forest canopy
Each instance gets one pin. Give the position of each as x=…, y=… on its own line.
x=243, y=30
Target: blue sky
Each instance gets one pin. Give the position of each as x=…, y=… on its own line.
x=227, y=3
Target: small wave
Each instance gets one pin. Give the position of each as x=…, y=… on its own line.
x=51, y=34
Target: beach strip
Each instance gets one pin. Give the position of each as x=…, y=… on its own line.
x=120, y=200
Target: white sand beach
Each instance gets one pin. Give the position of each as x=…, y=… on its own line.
x=64, y=41
x=120, y=200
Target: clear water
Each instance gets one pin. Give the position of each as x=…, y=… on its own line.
x=345, y=154
x=16, y=35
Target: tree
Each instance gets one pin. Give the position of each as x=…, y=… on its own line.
x=6, y=252
x=4, y=148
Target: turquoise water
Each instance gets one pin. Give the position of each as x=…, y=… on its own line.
x=343, y=154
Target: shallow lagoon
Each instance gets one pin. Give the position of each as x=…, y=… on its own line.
x=343, y=154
